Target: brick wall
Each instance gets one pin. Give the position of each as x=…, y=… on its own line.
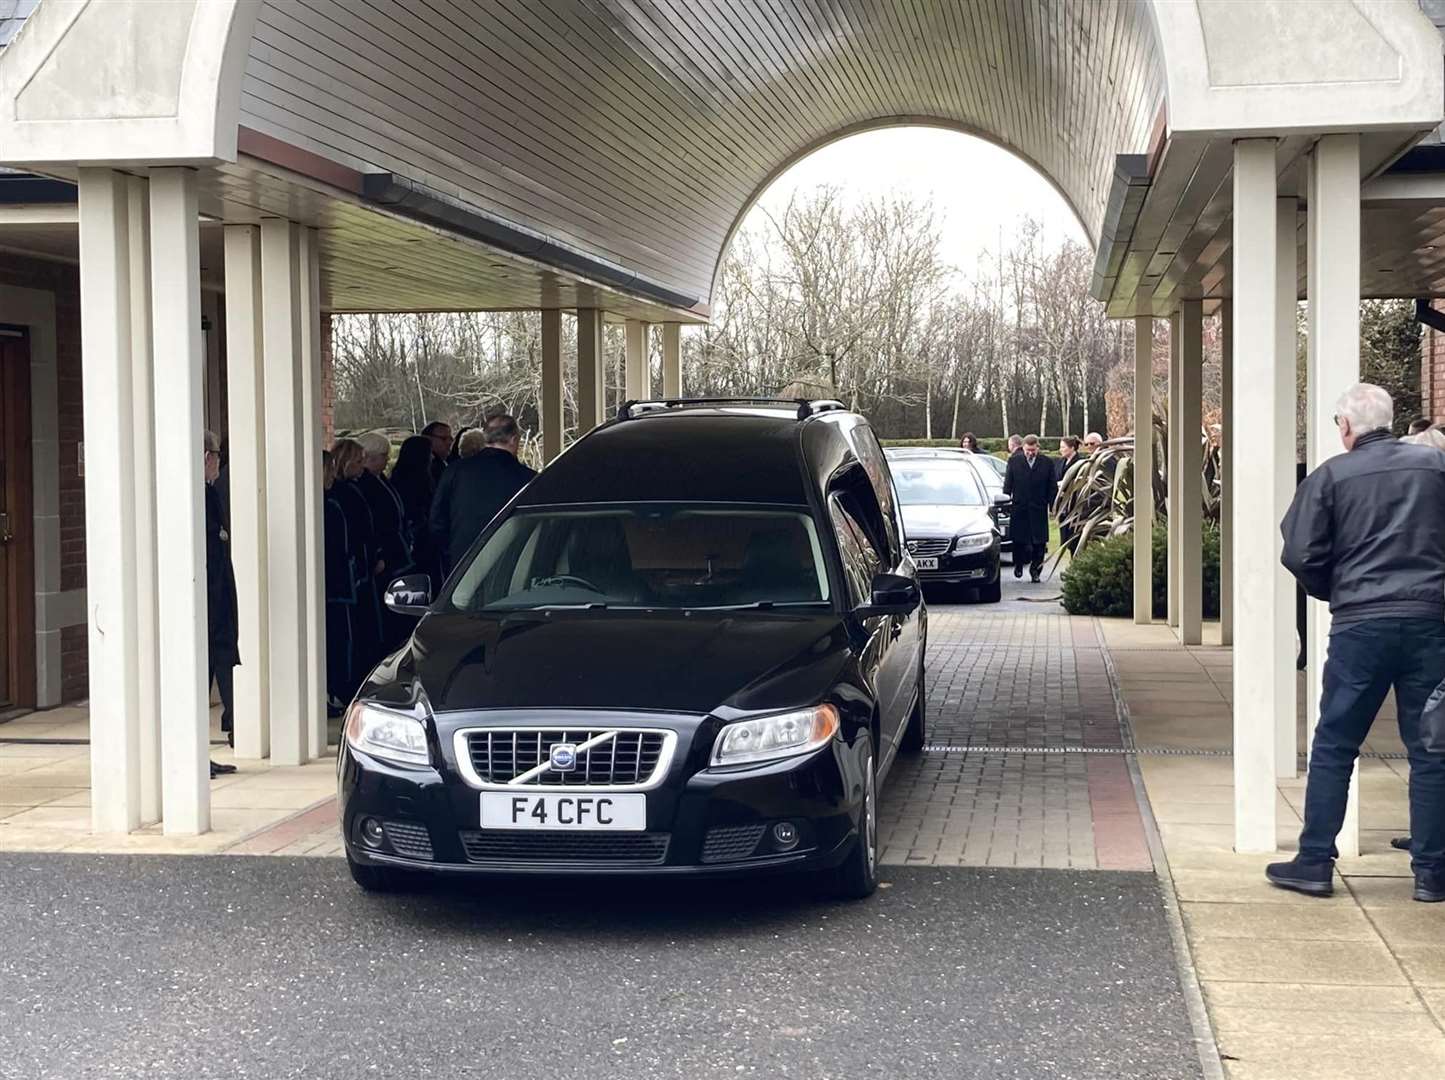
x=328, y=385
x=1432, y=371
x=64, y=281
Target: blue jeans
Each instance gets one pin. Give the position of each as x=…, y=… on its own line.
x=1365, y=659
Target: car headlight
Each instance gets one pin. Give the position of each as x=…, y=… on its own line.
x=972, y=542
x=780, y=736
x=392, y=736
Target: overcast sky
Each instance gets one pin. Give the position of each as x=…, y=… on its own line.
x=975, y=186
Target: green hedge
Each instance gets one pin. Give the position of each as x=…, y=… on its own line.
x=1101, y=580
x=988, y=446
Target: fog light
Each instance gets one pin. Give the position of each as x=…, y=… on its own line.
x=371, y=832
x=785, y=835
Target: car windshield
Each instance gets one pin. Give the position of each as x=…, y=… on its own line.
x=935, y=483
x=651, y=555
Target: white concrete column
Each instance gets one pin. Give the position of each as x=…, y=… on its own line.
x=1143, y=469
x=551, y=384
x=639, y=371
x=1191, y=480
x=1282, y=457
x=1258, y=410
x=1226, y=473
x=1333, y=262
x=671, y=360
x=1175, y=565
x=312, y=495
x=180, y=510
x=286, y=557
x=591, y=370
x=143, y=441
x=246, y=471
x=110, y=521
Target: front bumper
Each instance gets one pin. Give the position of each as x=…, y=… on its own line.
x=974, y=568
x=699, y=821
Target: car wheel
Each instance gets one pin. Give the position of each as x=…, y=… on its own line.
x=857, y=878
x=916, y=732
x=993, y=593
x=377, y=879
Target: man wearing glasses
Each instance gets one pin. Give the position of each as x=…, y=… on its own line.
x=223, y=630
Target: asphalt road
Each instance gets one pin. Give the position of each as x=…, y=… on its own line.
x=158, y=967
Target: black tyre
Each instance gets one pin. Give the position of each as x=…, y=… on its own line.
x=993, y=593
x=378, y=879
x=857, y=877
x=916, y=733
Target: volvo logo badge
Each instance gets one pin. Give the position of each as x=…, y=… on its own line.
x=912, y=547
x=563, y=757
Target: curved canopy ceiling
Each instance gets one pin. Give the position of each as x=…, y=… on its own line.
x=638, y=131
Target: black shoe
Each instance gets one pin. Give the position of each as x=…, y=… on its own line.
x=1018, y=570
x=1430, y=886
x=1034, y=578
x=1310, y=878
x=231, y=739
x=217, y=769
x=1400, y=843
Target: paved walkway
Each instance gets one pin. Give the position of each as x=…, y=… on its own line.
x=1350, y=987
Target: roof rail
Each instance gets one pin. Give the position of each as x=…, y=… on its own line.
x=631, y=409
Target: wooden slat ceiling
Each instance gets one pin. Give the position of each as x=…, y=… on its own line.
x=638, y=131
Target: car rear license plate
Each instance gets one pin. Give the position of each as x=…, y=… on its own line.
x=927, y=563
x=573, y=813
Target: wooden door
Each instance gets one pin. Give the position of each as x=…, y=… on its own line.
x=17, y=524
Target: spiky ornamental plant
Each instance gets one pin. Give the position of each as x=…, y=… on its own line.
x=1096, y=494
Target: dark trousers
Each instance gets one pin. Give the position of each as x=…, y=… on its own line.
x=225, y=677
x=1365, y=660
x=1032, y=554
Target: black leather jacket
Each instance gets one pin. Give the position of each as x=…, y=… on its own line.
x=1366, y=531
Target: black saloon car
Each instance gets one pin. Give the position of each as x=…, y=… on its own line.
x=692, y=646
x=949, y=521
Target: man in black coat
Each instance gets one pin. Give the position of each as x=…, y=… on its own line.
x=473, y=489
x=222, y=623
x=1029, y=481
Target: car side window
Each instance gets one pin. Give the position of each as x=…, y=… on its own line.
x=875, y=467
x=860, y=556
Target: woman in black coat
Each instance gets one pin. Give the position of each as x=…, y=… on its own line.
x=362, y=556
x=340, y=591
x=411, y=479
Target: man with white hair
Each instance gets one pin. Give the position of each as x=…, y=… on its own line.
x=475, y=488
x=1366, y=532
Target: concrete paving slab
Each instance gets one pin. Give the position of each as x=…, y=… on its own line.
x=1273, y=922
x=1372, y=893
x=1341, y=963
x=1344, y=1056
x=1418, y=924
x=1304, y=997
x=1425, y=964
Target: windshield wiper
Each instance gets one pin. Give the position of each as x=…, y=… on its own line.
x=764, y=605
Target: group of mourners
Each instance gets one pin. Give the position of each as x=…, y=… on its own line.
x=420, y=518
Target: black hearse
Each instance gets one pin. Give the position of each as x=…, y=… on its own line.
x=693, y=645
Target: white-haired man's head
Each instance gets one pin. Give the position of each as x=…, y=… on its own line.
x=377, y=448
x=1092, y=441
x=1363, y=408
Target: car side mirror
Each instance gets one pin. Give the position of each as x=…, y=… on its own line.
x=893, y=594
x=409, y=595
x=1000, y=499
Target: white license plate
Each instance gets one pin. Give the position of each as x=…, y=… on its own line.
x=927, y=563
x=572, y=813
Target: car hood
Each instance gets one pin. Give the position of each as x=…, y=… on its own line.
x=927, y=519
x=672, y=661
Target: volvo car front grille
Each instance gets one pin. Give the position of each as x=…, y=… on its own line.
x=928, y=547
x=612, y=758
x=497, y=845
